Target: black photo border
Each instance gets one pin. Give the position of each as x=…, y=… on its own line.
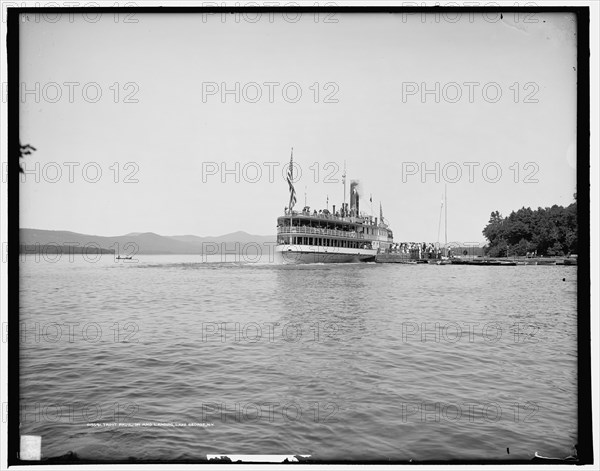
x=585, y=441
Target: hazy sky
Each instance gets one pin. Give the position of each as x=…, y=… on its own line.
x=162, y=111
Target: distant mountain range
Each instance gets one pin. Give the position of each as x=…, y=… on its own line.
x=148, y=242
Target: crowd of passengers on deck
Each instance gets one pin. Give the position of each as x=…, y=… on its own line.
x=325, y=213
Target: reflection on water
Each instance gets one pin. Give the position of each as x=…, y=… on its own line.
x=170, y=358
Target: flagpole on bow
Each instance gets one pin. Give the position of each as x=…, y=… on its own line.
x=344, y=182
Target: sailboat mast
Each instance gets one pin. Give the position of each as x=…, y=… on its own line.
x=445, y=220
x=291, y=180
x=440, y=221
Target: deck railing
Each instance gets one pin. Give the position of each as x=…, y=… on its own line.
x=363, y=219
x=330, y=216
x=319, y=231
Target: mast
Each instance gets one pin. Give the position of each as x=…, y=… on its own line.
x=344, y=182
x=440, y=221
x=291, y=197
x=445, y=220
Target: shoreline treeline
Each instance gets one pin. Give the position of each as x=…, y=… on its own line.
x=545, y=231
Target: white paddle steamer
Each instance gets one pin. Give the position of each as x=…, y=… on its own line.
x=338, y=236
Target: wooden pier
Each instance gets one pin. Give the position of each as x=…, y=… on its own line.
x=407, y=258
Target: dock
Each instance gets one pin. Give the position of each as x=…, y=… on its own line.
x=394, y=258
x=407, y=258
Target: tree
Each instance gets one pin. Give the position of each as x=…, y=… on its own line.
x=549, y=231
x=24, y=150
x=494, y=229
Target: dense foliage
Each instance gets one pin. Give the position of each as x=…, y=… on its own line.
x=24, y=150
x=549, y=231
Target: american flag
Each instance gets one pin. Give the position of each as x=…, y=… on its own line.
x=290, y=180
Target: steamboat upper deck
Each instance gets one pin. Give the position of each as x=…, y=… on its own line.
x=334, y=225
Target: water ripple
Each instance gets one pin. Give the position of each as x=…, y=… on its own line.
x=175, y=359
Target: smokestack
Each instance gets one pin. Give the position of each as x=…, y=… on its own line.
x=354, y=197
x=334, y=209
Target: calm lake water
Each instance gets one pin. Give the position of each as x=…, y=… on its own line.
x=170, y=358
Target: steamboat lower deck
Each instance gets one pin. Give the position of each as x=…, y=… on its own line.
x=293, y=254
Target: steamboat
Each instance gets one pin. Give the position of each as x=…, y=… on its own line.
x=345, y=235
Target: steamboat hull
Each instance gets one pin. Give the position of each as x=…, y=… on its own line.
x=299, y=254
